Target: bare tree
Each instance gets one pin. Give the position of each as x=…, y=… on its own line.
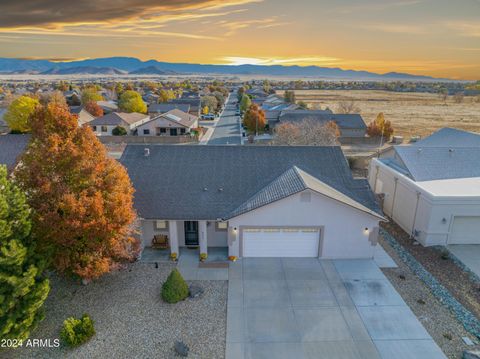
x=348, y=106
x=308, y=132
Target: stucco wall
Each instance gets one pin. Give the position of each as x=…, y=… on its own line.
x=159, y=122
x=429, y=223
x=344, y=226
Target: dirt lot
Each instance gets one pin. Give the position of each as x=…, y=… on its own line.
x=410, y=113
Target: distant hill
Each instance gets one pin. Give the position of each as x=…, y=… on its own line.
x=152, y=70
x=84, y=70
x=122, y=65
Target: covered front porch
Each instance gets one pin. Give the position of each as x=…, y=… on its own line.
x=206, y=239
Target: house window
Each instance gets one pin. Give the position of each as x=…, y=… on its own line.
x=173, y=132
x=94, y=128
x=221, y=226
x=182, y=131
x=146, y=132
x=159, y=225
x=104, y=129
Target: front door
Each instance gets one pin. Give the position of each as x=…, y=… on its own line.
x=191, y=233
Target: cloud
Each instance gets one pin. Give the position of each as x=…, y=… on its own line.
x=306, y=60
x=465, y=28
x=233, y=26
x=397, y=28
x=57, y=13
x=365, y=6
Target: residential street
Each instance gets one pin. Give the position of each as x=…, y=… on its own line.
x=227, y=130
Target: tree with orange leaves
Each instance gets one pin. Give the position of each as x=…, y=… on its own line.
x=82, y=200
x=93, y=109
x=254, y=119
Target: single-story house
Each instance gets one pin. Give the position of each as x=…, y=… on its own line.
x=173, y=123
x=11, y=148
x=259, y=201
x=83, y=115
x=158, y=108
x=103, y=126
x=193, y=102
x=350, y=125
x=432, y=188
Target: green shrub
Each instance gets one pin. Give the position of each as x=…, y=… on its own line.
x=175, y=288
x=119, y=131
x=77, y=331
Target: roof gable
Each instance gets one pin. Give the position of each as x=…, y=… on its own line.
x=293, y=181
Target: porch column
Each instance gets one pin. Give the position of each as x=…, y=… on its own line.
x=173, y=234
x=202, y=232
x=233, y=242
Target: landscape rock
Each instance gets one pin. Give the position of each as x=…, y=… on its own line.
x=181, y=349
x=195, y=291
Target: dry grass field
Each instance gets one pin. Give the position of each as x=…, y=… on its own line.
x=410, y=113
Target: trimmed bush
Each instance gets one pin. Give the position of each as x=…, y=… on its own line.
x=175, y=288
x=77, y=331
x=119, y=131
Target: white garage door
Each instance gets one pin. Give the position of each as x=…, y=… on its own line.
x=280, y=242
x=465, y=230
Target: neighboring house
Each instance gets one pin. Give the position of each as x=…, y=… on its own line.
x=350, y=125
x=194, y=103
x=259, y=201
x=83, y=115
x=108, y=106
x=432, y=187
x=103, y=126
x=159, y=108
x=11, y=147
x=3, y=124
x=172, y=123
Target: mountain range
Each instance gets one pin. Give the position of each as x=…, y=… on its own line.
x=134, y=66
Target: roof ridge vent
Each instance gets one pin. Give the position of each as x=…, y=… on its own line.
x=450, y=150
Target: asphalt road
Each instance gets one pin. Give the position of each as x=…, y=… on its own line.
x=227, y=130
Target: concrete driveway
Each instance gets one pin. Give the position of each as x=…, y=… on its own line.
x=468, y=254
x=309, y=308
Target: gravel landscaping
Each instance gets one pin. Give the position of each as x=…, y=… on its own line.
x=458, y=282
x=440, y=323
x=130, y=318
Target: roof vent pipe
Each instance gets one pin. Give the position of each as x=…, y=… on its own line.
x=146, y=152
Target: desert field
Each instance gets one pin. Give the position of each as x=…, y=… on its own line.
x=410, y=113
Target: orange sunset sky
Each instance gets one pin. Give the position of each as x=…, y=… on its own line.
x=430, y=37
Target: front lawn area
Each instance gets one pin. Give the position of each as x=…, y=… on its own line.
x=130, y=318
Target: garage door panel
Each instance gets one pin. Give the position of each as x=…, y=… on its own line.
x=465, y=230
x=281, y=243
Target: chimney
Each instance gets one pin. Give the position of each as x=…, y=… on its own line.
x=146, y=152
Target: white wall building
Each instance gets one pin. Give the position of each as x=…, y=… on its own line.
x=432, y=188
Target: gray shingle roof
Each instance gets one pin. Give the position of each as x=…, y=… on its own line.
x=118, y=118
x=11, y=147
x=450, y=137
x=436, y=163
x=165, y=107
x=346, y=121
x=209, y=182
